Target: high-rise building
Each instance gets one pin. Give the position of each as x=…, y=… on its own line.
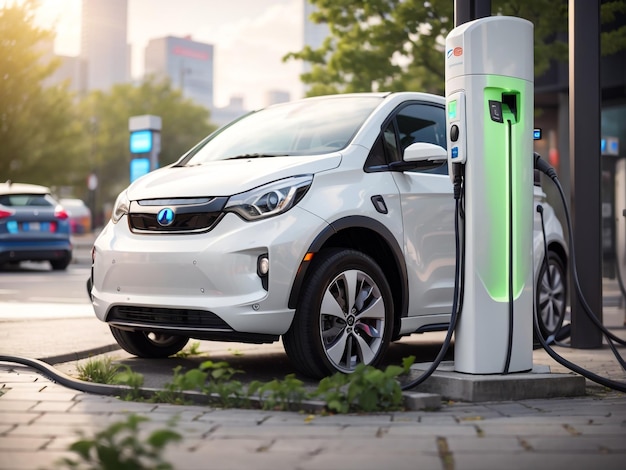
x=104, y=43
x=314, y=33
x=187, y=63
x=276, y=96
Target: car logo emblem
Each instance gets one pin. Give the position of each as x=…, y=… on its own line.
x=165, y=217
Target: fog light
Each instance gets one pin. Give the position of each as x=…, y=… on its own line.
x=263, y=269
x=264, y=265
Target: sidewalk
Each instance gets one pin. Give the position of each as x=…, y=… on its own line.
x=39, y=419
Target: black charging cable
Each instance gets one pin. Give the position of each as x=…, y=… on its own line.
x=459, y=281
x=544, y=167
x=553, y=338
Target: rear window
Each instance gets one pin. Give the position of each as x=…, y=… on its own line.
x=22, y=200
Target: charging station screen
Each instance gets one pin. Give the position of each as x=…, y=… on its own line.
x=141, y=141
x=139, y=167
x=452, y=109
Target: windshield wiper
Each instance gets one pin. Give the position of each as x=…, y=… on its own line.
x=255, y=155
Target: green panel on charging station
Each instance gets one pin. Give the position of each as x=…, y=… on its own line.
x=505, y=195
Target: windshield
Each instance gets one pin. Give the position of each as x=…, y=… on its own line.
x=308, y=127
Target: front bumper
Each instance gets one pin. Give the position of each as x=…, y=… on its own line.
x=161, y=281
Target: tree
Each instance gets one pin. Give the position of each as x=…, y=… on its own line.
x=391, y=45
x=104, y=118
x=38, y=135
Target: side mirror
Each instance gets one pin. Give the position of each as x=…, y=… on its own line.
x=424, y=152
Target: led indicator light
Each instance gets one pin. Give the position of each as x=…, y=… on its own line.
x=452, y=109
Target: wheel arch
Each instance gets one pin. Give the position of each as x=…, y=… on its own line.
x=372, y=238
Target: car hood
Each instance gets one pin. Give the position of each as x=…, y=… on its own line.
x=226, y=177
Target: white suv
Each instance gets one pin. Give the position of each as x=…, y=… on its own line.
x=328, y=221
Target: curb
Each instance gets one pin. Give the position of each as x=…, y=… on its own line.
x=77, y=356
x=413, y=401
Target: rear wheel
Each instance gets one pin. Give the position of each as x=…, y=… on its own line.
x=148, y=344
x=344, y=315
x=61, y=263
x=551, y=296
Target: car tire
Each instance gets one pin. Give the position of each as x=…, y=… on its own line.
x=62, y=263
x=551, y=296
x=148, y=344
x=332, y=334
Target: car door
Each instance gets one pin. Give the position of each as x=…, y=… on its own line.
x=427, y=206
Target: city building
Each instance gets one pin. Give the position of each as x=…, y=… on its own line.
x=104, y=44
x=70, y=71
x=187, y=63
x=314, y=35
x=276, y=96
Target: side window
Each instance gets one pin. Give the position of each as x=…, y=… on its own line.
x=391, y=146
x=423, y=123
x=417, y=122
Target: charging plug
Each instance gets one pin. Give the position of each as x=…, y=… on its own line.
x=543, y=166
x=457, y=179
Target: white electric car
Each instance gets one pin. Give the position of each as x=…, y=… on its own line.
x=328, y=221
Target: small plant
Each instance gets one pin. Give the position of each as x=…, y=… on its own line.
x=192, y=350
x=134, y=380
x=101, y=371
x=193, y=379
x=230, y=392
x=366, y=389
x=119, y=447
x=279, y=394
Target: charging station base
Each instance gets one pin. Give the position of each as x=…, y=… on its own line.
x=537, y=383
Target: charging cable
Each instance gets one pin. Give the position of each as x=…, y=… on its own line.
x=459, y=281
x=544, y=167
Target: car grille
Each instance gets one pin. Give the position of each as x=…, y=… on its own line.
x=166, y=317
x=190, y=215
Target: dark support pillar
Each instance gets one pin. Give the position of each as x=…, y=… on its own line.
x=584, y=131
x=468, y=10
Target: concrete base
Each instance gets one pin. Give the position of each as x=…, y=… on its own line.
x=537, y=383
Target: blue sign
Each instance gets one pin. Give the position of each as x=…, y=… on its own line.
x=139, y=167
x=141, y=141
x=537, y=134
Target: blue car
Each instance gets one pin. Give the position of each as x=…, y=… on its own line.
x=33, y=226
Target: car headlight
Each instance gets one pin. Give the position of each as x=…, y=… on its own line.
x=270, y=199
x=121, y=207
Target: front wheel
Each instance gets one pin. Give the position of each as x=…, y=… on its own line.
x=148, y=344
x=344, y=315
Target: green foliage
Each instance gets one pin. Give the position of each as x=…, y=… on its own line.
x=51, y=137
x=131, y=379
x=394, y=45
x=613, y=39
x=104, y=118
x=38, y=124
x=366, y=389
x=230, y=392
x=102, y=371
x=172, y=392
x=119, y=447
x=192, y=350
x=279, y=394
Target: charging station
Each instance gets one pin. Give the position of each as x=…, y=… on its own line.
x=489, y=102
x=144, y=144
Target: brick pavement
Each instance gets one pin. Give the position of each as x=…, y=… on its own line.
x=39, y=419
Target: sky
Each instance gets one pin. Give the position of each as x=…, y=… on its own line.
x=250, y=37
